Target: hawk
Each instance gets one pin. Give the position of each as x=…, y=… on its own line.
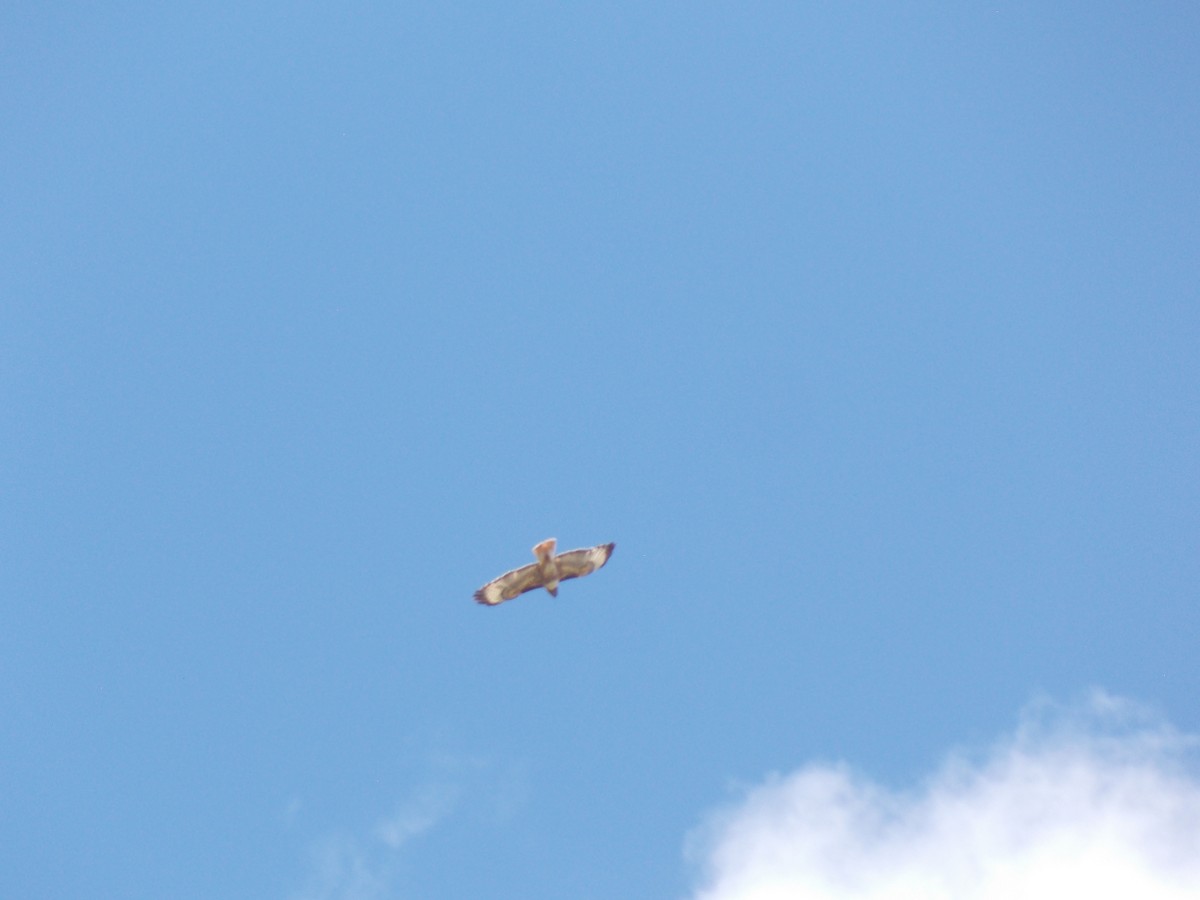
x=547, y=572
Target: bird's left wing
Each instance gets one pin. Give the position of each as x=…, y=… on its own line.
x=509, y=585
x=575, y=563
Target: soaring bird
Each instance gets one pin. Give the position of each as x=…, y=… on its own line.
x=547, y=572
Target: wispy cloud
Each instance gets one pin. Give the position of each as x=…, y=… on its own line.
x=432, y=803
x=349, y=867
x=1097, y=800
x=369, y=863
x=346, y=869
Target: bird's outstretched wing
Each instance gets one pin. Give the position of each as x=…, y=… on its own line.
x=509, y=585
x=575, y=563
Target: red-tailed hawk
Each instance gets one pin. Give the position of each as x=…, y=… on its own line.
x=547, y=572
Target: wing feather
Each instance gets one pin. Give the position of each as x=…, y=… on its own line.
x=575, y=563
x=509, y=585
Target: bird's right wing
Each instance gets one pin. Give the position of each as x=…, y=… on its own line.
x=575, y=563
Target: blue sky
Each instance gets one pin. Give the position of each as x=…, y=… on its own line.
x=869, y=334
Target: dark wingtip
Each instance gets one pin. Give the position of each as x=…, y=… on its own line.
x=479, y=598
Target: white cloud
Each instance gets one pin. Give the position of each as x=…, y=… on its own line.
x=1100, y=800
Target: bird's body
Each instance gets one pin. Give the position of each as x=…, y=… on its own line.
x=547, y=566
x=547, y=572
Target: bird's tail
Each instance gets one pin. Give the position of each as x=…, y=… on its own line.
x=545, y=550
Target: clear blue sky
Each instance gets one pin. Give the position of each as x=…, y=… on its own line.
x=870, y=335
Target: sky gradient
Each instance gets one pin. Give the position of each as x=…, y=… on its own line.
x=868, y=334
